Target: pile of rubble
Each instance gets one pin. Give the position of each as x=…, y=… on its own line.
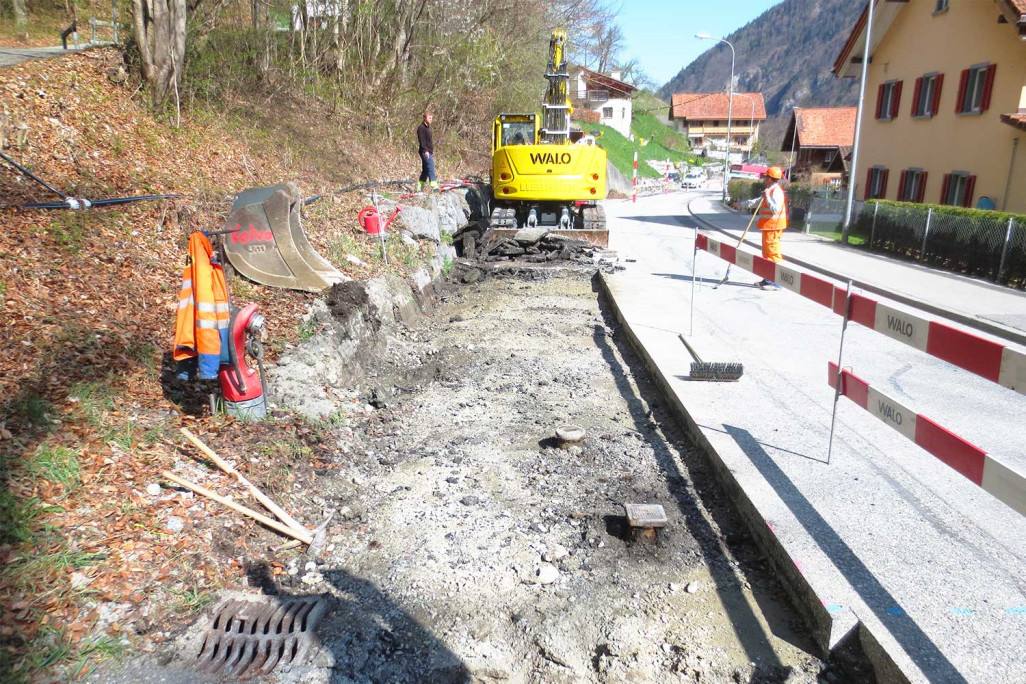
x=533, y=245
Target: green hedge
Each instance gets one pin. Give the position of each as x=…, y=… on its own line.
x=967, y=241
x=799, y=197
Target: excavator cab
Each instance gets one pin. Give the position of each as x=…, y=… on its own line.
x=514, y=129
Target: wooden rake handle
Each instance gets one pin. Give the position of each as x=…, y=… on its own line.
x=304, y=537
x=259, y=495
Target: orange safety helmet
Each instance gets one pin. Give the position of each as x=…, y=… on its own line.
x=775, y=172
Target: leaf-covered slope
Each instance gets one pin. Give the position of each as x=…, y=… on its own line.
x=785, y=53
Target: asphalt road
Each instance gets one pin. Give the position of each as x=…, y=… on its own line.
x=9, y=56
x=886, y=534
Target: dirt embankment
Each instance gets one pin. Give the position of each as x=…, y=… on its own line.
x=470, y=547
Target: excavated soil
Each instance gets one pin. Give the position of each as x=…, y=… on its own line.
x=469, y=547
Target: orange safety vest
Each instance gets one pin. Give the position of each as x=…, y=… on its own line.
x=201, y=328
x=769, y=219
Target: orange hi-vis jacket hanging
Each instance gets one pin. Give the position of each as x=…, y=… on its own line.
x=201, y=329
x=773, y=212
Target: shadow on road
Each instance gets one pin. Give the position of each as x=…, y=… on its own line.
x=916, y=644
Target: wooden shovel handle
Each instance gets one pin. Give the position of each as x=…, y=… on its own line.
x=304, y=537
x=259, y=495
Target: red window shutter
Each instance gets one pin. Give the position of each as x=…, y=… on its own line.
x=988, y=87
x=963, y=84
x=879, y=100
x=869, y=184
x=896, y=99
x=883, y=184
x=944, y=188
x=922, y=187
x=916, y=94
x=901, y=186
x=935, y=105
x=970, y=187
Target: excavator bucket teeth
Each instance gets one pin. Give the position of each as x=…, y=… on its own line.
x=268, y=244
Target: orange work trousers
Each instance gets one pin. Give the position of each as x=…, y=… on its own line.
x=771, y=245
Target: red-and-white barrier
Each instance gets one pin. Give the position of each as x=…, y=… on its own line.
x=964, y=457
x=990, y=360
x=634, y=198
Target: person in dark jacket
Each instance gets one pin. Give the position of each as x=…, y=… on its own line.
x=427, y=152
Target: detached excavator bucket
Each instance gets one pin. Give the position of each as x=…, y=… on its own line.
x=267, y=243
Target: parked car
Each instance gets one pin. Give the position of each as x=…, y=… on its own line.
x=692, y=180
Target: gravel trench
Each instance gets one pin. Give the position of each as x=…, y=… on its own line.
x=473, y=548
x=467, y=546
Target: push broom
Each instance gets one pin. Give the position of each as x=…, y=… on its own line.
x=713, y=372
x=741, y=241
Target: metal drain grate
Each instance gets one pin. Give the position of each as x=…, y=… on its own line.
x=251, y=638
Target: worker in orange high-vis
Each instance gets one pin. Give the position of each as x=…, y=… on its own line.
x=201, y=328
x=772, y=219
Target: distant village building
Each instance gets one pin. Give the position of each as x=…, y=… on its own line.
x=821, y=139
x=702, y=117
x=945, y=106
x=608, y=97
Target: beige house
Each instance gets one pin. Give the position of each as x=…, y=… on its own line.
x=702, y=117
x=945, y=111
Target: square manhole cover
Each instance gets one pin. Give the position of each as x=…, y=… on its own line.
x=250, y=637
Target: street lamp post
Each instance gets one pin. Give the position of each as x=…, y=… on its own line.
x=852, y=169
x=751, y=122
x=730, y=107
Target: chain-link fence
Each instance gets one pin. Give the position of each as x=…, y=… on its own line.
x=972, y=242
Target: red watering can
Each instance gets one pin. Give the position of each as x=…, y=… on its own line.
x=370, y=219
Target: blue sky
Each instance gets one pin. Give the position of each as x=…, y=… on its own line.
x=660, y=33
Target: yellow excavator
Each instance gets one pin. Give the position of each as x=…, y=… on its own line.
x=544, y=174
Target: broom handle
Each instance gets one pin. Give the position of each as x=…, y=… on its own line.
x=747, y=228
x=752, y=220
x=690, y=349
x=259, y=495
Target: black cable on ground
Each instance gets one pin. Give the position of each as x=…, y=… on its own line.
x=73, y=203
x=32, y=176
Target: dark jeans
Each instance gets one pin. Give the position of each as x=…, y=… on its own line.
x=427, y=167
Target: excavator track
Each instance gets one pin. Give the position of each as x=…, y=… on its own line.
x=504, y=218
x=594, y=218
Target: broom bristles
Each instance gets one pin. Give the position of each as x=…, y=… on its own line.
x=717, y=372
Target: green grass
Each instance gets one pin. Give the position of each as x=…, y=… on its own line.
x=17, y=518
x=190, y=600
x=835, y=235
x=56, y=464
x=32, y=408
x=620, y=152
x=94, y=399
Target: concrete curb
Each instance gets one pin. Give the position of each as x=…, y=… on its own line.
x=802, y=594
x=968, y=321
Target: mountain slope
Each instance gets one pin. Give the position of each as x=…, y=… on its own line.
x=786, y=54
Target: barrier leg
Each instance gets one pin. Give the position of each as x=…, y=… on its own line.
x=840, y=377
x=694, y=264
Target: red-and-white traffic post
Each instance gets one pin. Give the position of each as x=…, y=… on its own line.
x=634, y=198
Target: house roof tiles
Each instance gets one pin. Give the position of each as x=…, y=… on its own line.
x=597, y=81
x=825, y=127
x=704, y=106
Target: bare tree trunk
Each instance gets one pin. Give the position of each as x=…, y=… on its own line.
x=20, y=15
x=160, y=34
